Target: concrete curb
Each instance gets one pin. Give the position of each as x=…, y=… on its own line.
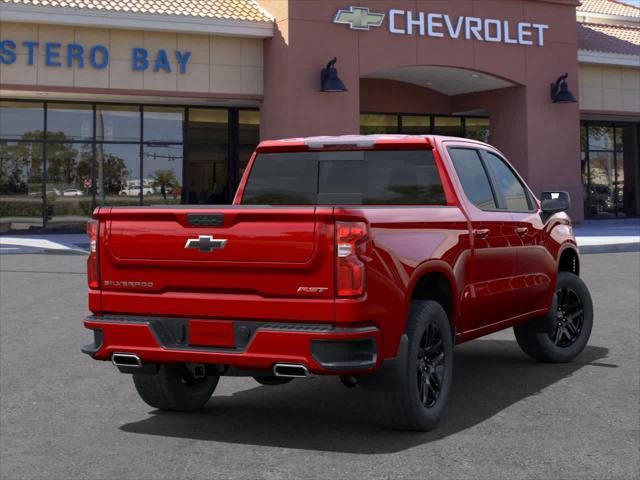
x=615, y=248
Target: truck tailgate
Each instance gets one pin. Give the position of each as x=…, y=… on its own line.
x=229, y=262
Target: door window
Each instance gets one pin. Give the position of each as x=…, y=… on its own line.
x=509, y=188
x=473, y=177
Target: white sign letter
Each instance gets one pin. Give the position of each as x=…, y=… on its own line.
x=392, y=22
x=524, y=33
x=411, y=22
x=488, y=23
x=432, y=23
x=507, y=39
x=454, y=33
x=476, y=30
x=541, y=29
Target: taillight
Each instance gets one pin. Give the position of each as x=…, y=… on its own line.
x=349, y=268
x=92, y=261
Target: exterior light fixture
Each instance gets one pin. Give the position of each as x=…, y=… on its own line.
x=560, y=92
x=329, y=80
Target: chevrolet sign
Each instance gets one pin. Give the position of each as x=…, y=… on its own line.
x=442, y=25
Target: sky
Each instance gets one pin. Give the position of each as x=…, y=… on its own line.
x=635, y=3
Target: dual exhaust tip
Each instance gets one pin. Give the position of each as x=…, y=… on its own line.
x=128, y=361
x=290, y=370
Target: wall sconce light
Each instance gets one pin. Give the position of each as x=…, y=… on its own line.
x=560, y=92
x=329, y=80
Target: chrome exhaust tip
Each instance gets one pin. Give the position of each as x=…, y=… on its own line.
x=126, y=360
x=290, y=370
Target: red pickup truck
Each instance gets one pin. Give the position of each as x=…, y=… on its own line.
x=363, y=257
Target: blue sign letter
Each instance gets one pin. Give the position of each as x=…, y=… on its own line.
x=93, y=54
x=31, y=46
x=51, y=53
x=183, y=59
x=140, y=62
x=74, y=52
x=162, y=62
x=7, y=52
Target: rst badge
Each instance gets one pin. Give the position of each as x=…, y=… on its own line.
x=206, y=243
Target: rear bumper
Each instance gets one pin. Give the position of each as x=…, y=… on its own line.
x=258, y=345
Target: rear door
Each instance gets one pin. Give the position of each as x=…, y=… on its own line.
x=493, y=298
x=226, y=262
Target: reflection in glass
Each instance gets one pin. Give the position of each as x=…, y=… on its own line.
x=378, y=124
x=602, y=190
x=601, y=138
x=163, y=124
x=478, y=129
x=19, y=120
x=162, y=166
x=416, y=124
x=207, y=156
x=118, y=123
x=248, y=137
x=69, y=197
x=20, y=185
x=118, y=174
x=67, y=121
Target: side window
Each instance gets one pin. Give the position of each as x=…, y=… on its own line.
x=473, y=177
x=509, y=187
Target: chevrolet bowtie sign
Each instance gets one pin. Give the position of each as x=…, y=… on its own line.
x=442, y=25
x=359, y=18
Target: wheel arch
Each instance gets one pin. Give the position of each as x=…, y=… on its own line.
x=435, y=281
x=569, y=260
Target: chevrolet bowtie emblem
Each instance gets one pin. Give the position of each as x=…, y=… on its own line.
x=206, y=243
x=359, y=18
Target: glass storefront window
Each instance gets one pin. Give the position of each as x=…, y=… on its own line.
x=163, y=124
x=21, y=185
x=118, y=123
x=21, y=120
x=611, y=169
x=207, y=153
x=67, y=122
x=248, y=137
x=451, y=126
x=118, y=174
x=416, y=124
x=371, y=123
x=477, y=129
x=162, y=167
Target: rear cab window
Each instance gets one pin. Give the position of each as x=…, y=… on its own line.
x=377, y=177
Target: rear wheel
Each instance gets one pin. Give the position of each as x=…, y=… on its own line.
x=416, y=397
x=175, y=387
x=560, y=336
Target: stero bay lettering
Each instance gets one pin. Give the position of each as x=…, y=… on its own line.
x=97, y=56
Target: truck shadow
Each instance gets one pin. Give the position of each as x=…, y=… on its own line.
x=321, y=414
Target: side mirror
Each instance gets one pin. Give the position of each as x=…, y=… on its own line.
x=555, y=202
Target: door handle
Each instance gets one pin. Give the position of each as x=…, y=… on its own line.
x=482, y=232
x=522, y=231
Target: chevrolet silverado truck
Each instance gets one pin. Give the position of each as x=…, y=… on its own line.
x=363, y=257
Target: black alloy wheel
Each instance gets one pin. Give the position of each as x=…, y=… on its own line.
x=430, y=366
x=570, y=315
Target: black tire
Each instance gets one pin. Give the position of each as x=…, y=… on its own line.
x=415, y=397
x=272, y=380
x=172, y=388
x=562, y=335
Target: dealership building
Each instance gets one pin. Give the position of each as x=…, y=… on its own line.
x=135, y=102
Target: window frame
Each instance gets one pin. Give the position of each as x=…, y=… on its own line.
x=501, y=202
x=486, y=172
